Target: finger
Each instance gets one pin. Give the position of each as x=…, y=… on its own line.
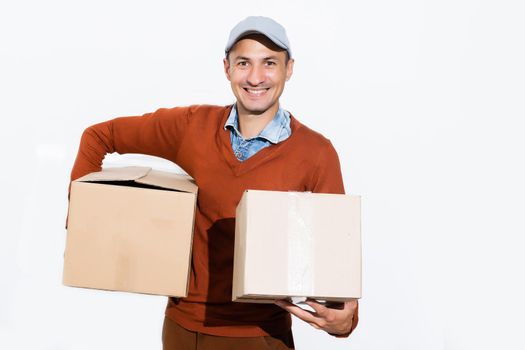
x=319, y=308
x=315, y=325
x=304, y=315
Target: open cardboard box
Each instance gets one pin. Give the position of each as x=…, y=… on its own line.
x=131, y=229
x=290, y=245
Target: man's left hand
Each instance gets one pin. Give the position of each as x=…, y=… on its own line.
x=336, y=321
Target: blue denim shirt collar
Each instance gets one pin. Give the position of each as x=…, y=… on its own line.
x=277, y=130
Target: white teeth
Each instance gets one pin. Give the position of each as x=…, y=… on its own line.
x=256, y=92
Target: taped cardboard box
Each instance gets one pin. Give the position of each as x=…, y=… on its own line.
x=293, y=245
x=131, y=229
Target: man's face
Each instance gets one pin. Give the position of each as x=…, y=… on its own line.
x=257, y=70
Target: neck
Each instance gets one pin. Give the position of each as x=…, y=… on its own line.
x=251, y=125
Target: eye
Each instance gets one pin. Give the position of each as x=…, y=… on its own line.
x=271, y=63
x=242, y=63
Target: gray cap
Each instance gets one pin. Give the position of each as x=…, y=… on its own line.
x=263, y=25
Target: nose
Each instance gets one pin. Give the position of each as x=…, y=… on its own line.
x=256, y=75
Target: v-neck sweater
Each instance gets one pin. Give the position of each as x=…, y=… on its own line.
x=194, y=138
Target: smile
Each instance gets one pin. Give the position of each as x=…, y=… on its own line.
x=256, y=92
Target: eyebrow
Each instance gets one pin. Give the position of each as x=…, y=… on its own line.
x=242, y=58
x=248, y=59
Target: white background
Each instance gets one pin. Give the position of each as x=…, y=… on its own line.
x=423, y=100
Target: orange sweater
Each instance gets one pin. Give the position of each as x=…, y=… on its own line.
x=194, y=138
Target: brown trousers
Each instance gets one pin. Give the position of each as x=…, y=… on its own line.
x=174, y=337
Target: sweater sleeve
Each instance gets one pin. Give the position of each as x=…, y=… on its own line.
x=158, y=134
x=328, y=179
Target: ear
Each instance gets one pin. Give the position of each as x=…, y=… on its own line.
x=289, y=69
x=226, y=63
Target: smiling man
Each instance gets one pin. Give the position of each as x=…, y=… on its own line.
x=257, y=69
x=252, y=144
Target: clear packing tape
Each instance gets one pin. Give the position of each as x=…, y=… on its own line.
x=301, y=244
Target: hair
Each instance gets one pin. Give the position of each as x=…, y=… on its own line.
x=258, y=35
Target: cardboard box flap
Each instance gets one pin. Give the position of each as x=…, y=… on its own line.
x=130, y=173
x=178, y=182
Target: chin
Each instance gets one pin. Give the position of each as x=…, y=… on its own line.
x=255, y=108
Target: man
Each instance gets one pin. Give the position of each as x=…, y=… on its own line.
x=253, y=144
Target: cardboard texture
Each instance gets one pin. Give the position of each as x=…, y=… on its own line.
x=294, y=244
x=131, y=229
